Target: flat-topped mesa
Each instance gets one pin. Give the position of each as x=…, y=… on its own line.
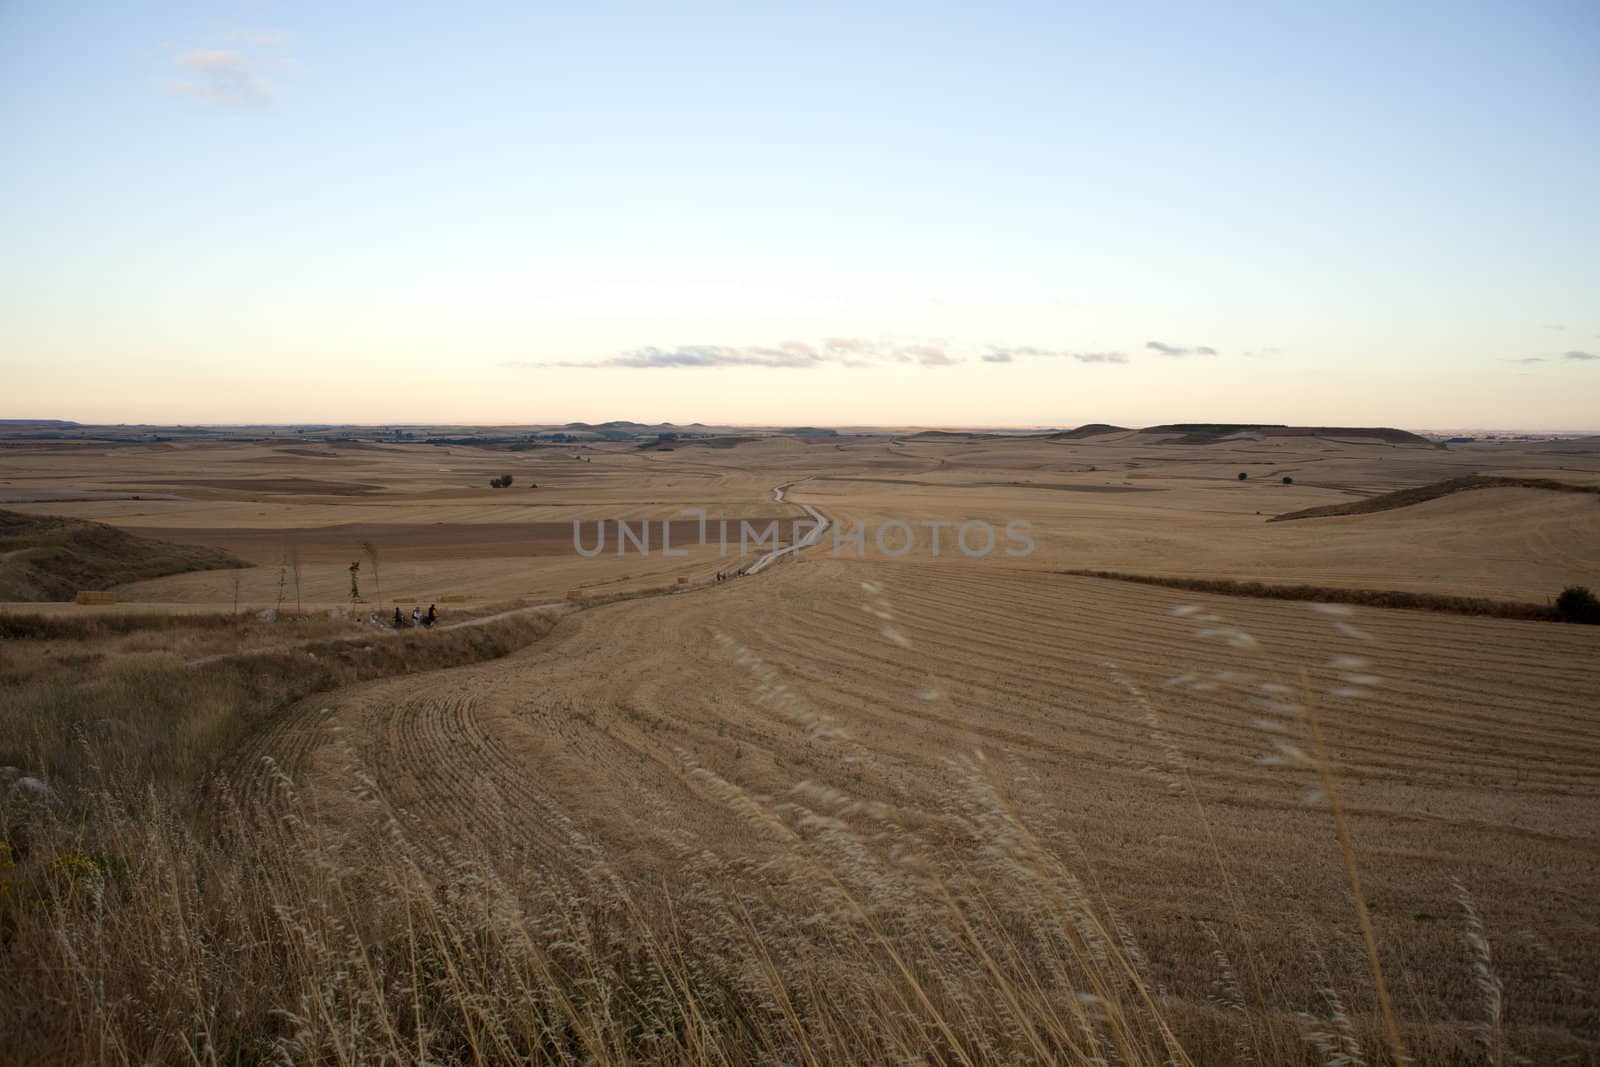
x=1205, y=433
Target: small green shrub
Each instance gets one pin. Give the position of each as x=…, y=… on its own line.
x=1243, y=476
x=1577, y=604
x=1287, y=480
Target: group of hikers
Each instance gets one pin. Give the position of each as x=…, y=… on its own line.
x=723, y=576
x=418, y=618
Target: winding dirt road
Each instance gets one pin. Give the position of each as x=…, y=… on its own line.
x=819, y=526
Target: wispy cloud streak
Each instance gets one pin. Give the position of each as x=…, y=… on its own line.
x=832, y=351
x=1179, y=350
x=229, y=77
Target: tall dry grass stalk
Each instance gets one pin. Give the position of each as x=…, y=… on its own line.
x=142, y=940
x=1330, y=790
x=139, y=928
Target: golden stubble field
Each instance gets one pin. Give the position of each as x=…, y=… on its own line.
x=874, y=713
x=1125, y=501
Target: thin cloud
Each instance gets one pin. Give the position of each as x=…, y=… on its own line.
x=927, y=355
x=221, y=76
x=1555, y=326
x=1179, y=350
x=711, y=356
x=1008, y=355
x=234, y=76
x=1579, y=355
x=1530, y=359
x=831, y=352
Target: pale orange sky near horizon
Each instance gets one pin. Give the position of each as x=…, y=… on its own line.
x=1041, y=215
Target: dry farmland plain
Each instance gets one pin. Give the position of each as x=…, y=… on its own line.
x=900, y=745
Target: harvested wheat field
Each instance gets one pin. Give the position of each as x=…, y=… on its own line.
x=717, y=535
x=875, y=802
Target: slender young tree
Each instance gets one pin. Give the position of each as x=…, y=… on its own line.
x=283, y=581
x=371, y=551
x=293, y=553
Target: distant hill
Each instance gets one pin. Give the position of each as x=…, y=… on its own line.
x=1205, y=433
x=673, y=443
x=44, y=558
x=622, y=424
x=953, y=435
x=1093, y=429
x=619, y=429
x=1402, y=498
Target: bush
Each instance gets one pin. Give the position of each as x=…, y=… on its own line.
x=1577, y=604
x=502, y=482
x=1243, y=476
x=1287, y=480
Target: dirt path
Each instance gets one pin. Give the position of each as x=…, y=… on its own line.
x=387, y=632
x=820, y=525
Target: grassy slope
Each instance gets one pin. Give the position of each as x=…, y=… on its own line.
x=172, y=722
x=47, y=558
x=1372, y=598
x=1402, y=498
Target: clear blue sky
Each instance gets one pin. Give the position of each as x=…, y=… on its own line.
x=910, y=213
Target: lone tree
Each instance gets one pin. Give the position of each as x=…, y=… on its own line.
x=502, y=482
x=1577, y=604
x=370, y=550
x=1243, y=476
x=1287, y=480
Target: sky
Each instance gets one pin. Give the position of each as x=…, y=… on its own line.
x=889, y=214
